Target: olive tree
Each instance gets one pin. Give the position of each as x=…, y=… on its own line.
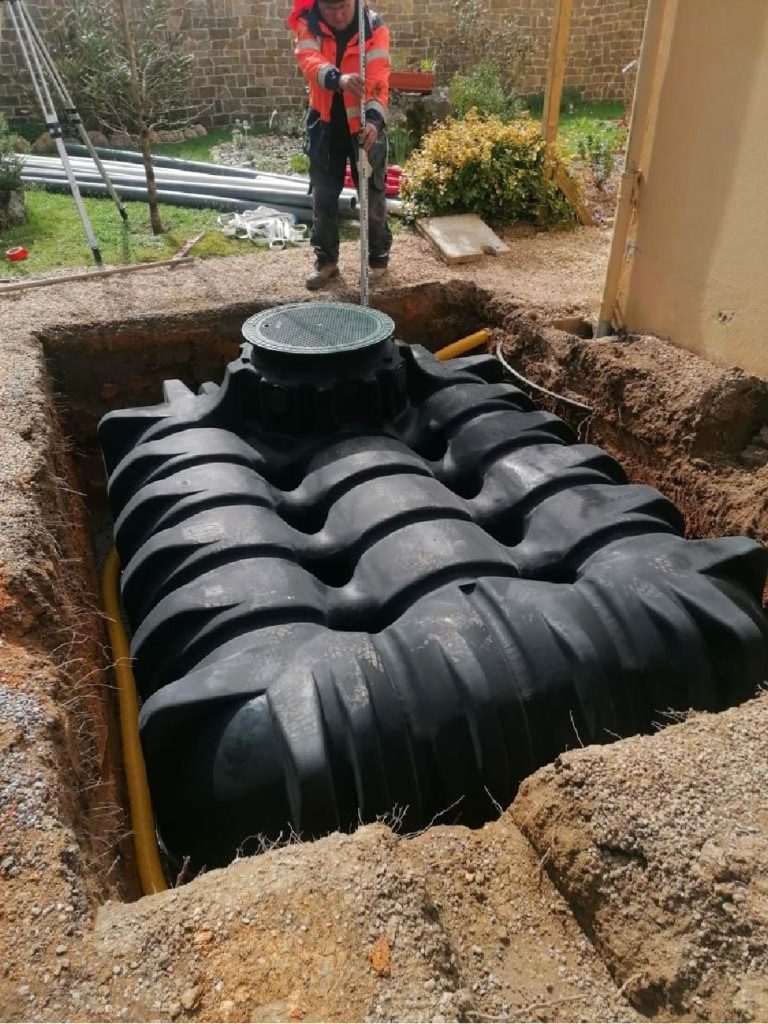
x=128, y=72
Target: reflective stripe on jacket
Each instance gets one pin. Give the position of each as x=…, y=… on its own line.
x=315, y=50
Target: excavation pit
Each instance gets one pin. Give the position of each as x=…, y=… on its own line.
x=94, y=368
x=127, y=367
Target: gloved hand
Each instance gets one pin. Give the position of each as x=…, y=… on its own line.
x=370, y=137
x=351, y=83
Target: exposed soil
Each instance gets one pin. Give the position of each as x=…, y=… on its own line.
x=364, y=927
x=561, y=271
x=674, y=421
x=656, y=846
x=667, y=874
x=599, y=198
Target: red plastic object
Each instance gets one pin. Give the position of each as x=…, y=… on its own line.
x=412, y=81
x=394, y=178
x=16, y=253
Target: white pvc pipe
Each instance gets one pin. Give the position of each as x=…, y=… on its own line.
x=249, y=198
x=60, y=184
x=267, y=193
x=116, y=170
x=279, y=182
x=198, y=167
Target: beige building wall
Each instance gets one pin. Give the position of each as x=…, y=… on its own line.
x=697, y=269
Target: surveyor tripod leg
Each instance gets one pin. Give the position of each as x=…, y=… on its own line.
x=363, y=163
x=34, y=66
x=71, y=111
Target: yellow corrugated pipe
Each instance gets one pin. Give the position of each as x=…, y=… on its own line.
x=142, y=820
x=458, y=348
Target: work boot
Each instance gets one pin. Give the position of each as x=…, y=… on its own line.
x=321, y=275
x=377, y=276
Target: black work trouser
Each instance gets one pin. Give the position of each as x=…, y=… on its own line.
x=326, y=172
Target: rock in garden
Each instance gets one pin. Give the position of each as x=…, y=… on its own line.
x=191, y=997
x=44, y=143
x=422, y=112
x=120, y=140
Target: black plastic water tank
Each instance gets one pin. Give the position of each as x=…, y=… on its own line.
x=360, y=579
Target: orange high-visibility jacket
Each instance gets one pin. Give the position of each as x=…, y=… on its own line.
x=315, y=51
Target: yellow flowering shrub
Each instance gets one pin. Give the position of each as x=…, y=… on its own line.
x=485, y=166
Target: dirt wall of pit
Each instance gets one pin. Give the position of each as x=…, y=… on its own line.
x=695, y=431
x=64, y=839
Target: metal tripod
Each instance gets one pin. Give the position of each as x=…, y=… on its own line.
x=39, y=64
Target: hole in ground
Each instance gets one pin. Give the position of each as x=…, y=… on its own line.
x=575, y=325
x=95, y=371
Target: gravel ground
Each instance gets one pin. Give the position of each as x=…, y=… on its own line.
x=262, y=152
x=559, y=271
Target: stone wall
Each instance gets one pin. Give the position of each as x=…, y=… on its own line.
x=244, y=64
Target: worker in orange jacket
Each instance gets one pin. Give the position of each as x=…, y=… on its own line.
x=328, y=52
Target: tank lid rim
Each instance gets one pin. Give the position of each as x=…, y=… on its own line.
x=318, y=328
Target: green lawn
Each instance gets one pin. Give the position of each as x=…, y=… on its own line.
x=55, y=238
x=195, y=149
x=605, y=110
x=595, y=119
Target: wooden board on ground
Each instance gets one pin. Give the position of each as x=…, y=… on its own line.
x=462, y=238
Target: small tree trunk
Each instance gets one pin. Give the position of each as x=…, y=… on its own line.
x=138, y=100
x=149, y=170
x=13, y=211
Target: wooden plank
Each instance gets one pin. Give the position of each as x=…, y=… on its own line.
x=570, y=192
x=659, y=25
x=462, y=238
x=553, y=92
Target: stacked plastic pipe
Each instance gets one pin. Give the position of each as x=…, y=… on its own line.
x=184, y=182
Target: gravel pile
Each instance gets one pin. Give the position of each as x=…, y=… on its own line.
x=660, y=846
x=451, y=924
x=21, y=709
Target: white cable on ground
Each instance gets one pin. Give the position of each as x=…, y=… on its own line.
x=263, y=226
x=538, y=387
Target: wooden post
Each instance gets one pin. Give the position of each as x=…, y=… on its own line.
x=553, y=95
x=659, y=19
x=558, y=49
